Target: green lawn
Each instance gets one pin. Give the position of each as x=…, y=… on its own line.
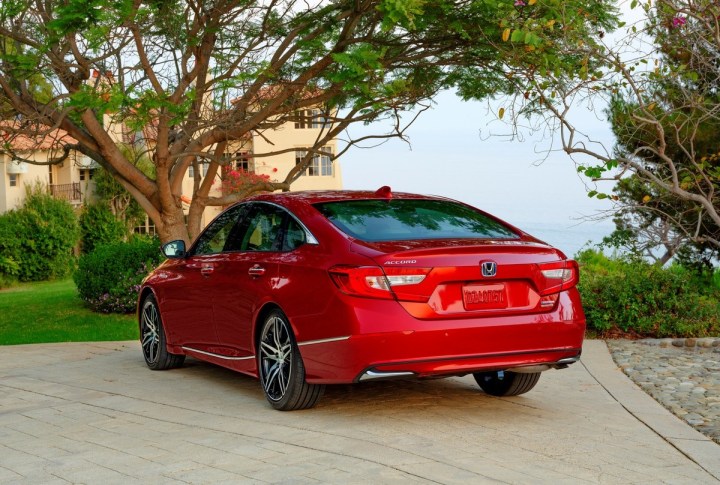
x=53, y=312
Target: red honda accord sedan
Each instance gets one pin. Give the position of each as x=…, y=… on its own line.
x=304, y=289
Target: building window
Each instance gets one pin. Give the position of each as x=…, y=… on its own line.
x=310, y=118
x=203, y=170
x=13, y=179
x=242, y=161
x=50, y=174
x=86, y=174
x=321, y=164
x=326, y=163
x=315, y=118
x=300, y=119
x=146, y=227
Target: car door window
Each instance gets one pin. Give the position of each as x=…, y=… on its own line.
x=215, y=237
x=263, y=230
x=295, y=235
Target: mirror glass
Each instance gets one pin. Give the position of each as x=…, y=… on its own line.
x=174, y=249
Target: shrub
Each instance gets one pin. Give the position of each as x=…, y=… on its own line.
x=646, y=300
x=98, y=225
x=109, y=277
x=37, y=240
x=10, y=250
x=8, y=271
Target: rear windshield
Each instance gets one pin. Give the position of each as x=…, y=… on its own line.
x=409, y=219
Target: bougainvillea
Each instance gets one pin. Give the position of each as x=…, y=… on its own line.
x=235, y=179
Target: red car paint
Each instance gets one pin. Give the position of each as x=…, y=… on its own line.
x=454, y=322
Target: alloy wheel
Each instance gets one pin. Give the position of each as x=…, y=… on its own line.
x=149, y=335
x=276, y=351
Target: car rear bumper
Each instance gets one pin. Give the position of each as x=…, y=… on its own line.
x=431, y=368
x=386, y=342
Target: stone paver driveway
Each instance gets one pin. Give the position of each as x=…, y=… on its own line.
x=93, y=413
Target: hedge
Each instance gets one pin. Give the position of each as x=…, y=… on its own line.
x=98, y=225
x=109, y=277
x=635, y=298
x=37, y=240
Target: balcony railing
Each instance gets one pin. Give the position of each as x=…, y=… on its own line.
x=69, y=192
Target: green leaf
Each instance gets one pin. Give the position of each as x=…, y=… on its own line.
x=531, y=38
x=517, y=36
x=400, y=12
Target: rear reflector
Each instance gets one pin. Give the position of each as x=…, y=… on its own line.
x=549, y=301
x=373, y=282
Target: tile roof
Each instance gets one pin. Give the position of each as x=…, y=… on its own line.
x=22, y=139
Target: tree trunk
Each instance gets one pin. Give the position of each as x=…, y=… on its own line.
x=173, y=227
x=194, y=224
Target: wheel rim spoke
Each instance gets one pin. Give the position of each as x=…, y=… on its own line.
x=147, y=339
x=149, y=331
x=268, y=349
x=275, y=358
x=282, y=382
x=276, y=333
x=272, y=376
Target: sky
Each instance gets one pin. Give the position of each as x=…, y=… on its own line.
x=457, y=150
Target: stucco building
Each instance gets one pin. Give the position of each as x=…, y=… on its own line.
x=72, y=179
x=292, y=140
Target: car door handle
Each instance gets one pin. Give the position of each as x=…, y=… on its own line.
x=207, y=269
x=256, y=270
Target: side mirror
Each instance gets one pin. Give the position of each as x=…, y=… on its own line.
x=174, y=249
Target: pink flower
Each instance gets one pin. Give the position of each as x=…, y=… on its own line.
x=519, y=3
x=678, y=21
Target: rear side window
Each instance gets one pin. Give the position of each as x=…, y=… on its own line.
x=409, y=219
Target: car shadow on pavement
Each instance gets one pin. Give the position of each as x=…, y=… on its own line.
x=390, y=395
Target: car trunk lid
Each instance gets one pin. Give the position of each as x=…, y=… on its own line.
x=456, y=279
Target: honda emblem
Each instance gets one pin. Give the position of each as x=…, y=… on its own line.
x=488, y=268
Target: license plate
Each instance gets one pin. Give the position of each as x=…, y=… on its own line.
x=484, y=297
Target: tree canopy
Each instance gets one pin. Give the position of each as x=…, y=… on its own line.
x=683, y=104
x=202, y=74
x=659, y=79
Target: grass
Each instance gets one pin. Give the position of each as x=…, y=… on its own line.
x=53, y=312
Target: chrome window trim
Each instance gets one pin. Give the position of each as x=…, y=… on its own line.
x=310, y=238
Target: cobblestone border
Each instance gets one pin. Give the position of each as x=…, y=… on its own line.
x=706, y=342
x=683, y=375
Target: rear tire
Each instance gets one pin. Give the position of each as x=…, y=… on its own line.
x=280, y=367
x=501, y=383
x=153, y=340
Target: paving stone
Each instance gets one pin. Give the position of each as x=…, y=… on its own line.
x=93, y=413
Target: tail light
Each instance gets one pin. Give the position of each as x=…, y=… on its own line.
x=373, y=282
x=558, y=276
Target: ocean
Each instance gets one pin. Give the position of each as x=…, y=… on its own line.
x=570, y=237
